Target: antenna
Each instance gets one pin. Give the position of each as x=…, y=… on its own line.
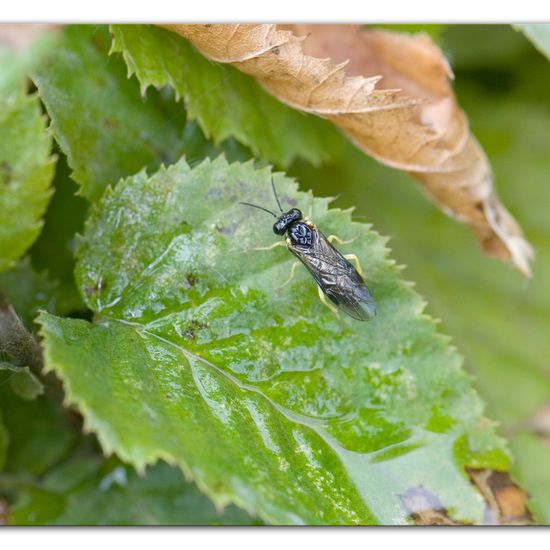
x=259, y=207
x=275, y=193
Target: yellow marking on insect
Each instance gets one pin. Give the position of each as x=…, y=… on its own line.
x=337, y=239
x=271, y=247
x=291, y=276
x=355, y=259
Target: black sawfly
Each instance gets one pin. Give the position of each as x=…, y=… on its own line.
x=335, y=276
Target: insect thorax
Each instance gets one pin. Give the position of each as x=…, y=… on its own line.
x=300, y=234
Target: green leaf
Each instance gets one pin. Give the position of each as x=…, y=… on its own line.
x=4, y=439
x=103, y=125
x=40, y=432
x=26, y=170
x=226, y=102
x=87, y=491
x=28, y=291
x=434, y=31
x=533, y=455
x=54, y=250
x=260, y=393
x=539, y=35
x=23, y=382
x=489, y=49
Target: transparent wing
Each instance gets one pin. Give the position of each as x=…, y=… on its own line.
x=336, y=277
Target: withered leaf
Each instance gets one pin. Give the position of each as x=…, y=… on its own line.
x=425, y=508
x=404, y=114
x=506, y=503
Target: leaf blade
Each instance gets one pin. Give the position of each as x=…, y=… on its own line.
x=340, y=416
x=97, y=115
x=26, y=170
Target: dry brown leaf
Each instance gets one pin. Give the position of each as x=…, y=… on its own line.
x=506, y=503
x=425, y=508
x=406, y=116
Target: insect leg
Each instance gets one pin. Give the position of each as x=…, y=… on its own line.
x=323, y=299
x=309, y=213
x=291, y=276
x=332, y=238
x=355, y=260
x=271, y=247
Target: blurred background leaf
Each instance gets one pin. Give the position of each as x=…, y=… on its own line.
x=434, y=31
x=3, y=442
x=26, y=169
x=29, y=291
x=41, y=432
x=539, y=34
x=88, y=490
x=55, y=476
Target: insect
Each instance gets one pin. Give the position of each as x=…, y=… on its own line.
x=335, y=276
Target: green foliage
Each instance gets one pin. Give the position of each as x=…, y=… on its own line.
x=98, y=116
x=489, y=49
x=226, y=102
x=434, y=31
x=194, y=343
x=53, y=252
x=498, y=320
x=89, y=491
x=28, y=291
x=539, y=34
x=3, y=442
x=23, y=382
x=197, y=355
x=26, y=170
x=40, y=432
